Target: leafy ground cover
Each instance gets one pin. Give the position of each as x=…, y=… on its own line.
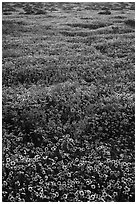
x=68, y=102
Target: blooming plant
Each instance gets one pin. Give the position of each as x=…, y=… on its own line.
x=68, y=126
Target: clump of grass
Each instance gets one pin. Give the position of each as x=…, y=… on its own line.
x=119, y=17
x=106, y=12
x=86, y=18
x=29, y=10
x=38, y=12
x=10, y=27
x=130, y=22
x=7, y=13
x=73, y=34
x=94, y=25
x=7, y=8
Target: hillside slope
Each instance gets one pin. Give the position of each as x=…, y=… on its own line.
x=68, y=101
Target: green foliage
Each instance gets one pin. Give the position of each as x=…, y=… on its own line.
x=15, y=28
x=130, y=22
x=68, y=102
x=106, y=12
x=93, y=25
x=67, y=119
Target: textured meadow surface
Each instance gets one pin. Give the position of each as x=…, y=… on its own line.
x=68, y=102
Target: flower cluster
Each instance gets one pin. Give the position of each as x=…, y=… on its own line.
x=67, y=156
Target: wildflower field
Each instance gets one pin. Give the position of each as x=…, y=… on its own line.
x=68, y=112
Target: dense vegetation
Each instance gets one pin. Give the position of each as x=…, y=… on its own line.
x=68, y=102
